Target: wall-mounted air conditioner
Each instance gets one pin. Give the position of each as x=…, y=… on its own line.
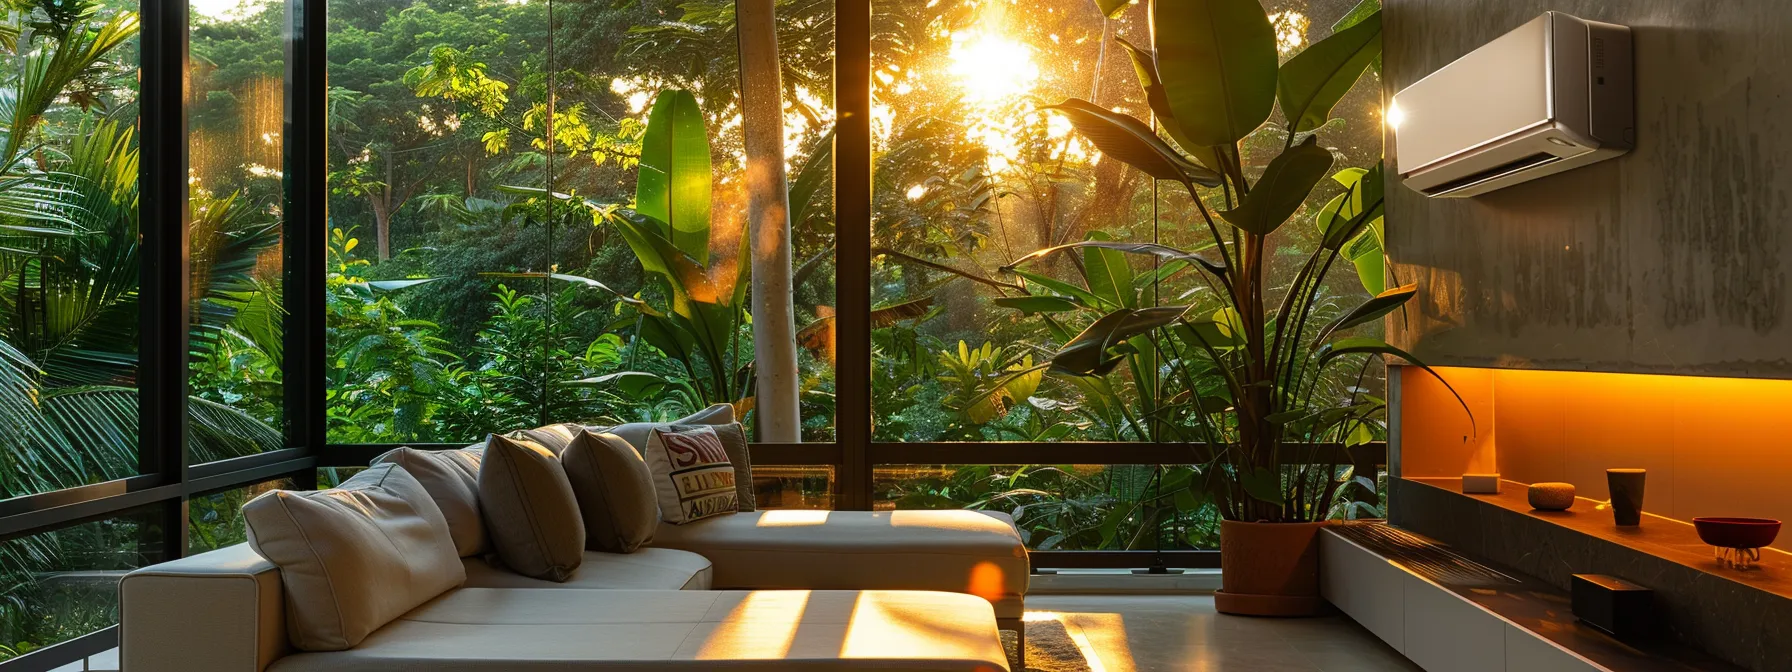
x=1553, y=94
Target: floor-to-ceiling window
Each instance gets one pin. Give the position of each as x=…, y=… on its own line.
x=358, y=224
x=141, y=298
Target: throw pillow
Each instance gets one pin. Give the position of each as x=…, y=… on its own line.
x=615, y=492
x=692, y=475
x=354, y=557
x=530, y=511
x=734, y=441
x=451, y=477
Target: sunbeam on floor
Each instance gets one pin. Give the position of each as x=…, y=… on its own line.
x=1143, y=633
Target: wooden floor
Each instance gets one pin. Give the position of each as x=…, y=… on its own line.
x=1183, y=632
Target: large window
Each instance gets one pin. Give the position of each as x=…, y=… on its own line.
x=463, y=299
x=68, y=247
x=62, y=584
x=288, y=234
x=235, y=109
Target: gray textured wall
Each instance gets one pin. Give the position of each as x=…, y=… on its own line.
x=1671, y=259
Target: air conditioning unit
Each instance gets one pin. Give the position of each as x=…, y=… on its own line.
x=1552, y=95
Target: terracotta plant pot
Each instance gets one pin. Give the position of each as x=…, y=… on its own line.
x=1269, y=569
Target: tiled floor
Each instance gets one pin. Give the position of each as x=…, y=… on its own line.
x=1182, y=632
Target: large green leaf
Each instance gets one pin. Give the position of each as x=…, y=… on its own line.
x=1060, y=287
x=675, y=180
x=1262, y=484
x=1217, y=60
x=1358, y=209
x=1153, y=249
x=1144, y=64
x=1365, y=253
x=1377, y=306
x=684, y=276
x=1222, y=330
x=1364, y=345
x=1315, y=80
x=1132, y=142
x=1087, y=353
x=1284, y=187
x=1037, y=304
x=809, y=180
x=1110, y=277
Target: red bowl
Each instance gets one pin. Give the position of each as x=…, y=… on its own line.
x=1737, y=532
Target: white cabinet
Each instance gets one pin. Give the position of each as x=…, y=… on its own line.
x=1432, y=626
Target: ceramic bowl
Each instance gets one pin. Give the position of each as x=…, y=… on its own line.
x=1737, y=532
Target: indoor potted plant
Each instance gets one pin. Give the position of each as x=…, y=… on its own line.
x=1251, y=370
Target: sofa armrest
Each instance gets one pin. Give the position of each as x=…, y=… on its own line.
x=214, y=612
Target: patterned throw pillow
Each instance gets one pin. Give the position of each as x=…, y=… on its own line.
x=691, y=473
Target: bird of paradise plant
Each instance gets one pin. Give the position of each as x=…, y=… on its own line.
x=1246, y=377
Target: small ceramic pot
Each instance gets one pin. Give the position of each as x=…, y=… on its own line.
x=1551, y=496
x=1626, y=487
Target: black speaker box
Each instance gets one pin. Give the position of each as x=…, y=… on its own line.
x=1620, y=608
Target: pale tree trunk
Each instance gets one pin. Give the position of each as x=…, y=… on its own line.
x=768, y=220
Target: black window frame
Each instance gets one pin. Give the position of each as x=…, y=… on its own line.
x=169, y=481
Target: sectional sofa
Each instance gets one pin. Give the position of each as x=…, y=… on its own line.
x=771, y=590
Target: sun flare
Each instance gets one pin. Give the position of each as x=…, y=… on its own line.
x=991, y=68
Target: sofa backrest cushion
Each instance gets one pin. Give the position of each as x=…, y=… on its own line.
x=555, y=438
x=530, y=512
x=451, y=477
x=691, y=473
x=635, y=433
x=354, y=557
x=615, y=492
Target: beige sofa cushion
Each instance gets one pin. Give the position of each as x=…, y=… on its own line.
x=615, y=492
x=218, y=610
x=530, y=511
x=485, y=629
x=692, y=474
x=452, y=479
x=552, y=437
x=635, y=433
x=958, y=551
x=648, y=568
x=354, y=557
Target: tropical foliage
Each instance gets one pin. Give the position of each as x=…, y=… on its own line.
x=521, y=234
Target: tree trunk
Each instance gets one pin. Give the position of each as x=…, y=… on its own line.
x=768, y=218
x=382, y=216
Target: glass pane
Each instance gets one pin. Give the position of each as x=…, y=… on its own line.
x=216, y=520
x=68, y=254
x=58, y=585
x=236, y=79
x=970, y=176
x=444, y=322
x=793, y=487
x=1064, y=507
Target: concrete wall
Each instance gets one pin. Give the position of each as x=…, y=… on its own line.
x=1672, y=259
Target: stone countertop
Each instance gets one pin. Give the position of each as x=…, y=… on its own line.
x=1665, y=538
x=1524, y=601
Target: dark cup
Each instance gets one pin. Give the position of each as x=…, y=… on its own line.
x=1626, y=487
